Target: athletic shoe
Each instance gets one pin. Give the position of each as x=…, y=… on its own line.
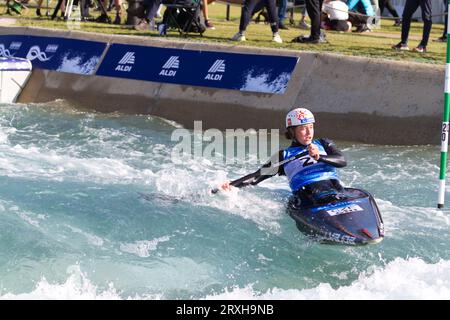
x=398, y=23
x=142, y=25
x=323, y=37
x=400, y=47
x=282, y=26
x=441, y=39
x=420, y=49
x=238, y=37
x=209, y=25
x=303, y=39
x=276, y=38
x=363, y=28
x=303, y=25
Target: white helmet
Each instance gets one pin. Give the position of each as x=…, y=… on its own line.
x=299, y=117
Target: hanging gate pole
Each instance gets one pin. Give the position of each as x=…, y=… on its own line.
x=445, y=122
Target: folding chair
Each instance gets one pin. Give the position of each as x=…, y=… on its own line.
x=184, y=15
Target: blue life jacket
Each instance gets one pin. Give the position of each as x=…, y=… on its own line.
x=306, y=170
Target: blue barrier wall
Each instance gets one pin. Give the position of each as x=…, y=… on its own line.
x=235, y=71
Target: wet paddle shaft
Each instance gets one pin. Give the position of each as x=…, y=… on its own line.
x=238, y=182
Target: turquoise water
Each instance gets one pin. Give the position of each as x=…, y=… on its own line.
x=75, y=225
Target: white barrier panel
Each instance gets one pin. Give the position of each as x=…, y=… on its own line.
x=14, y=73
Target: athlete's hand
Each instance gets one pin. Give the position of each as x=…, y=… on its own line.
x=313, y=152
x=226, y=186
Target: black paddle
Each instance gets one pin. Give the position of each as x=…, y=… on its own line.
x=238, y=183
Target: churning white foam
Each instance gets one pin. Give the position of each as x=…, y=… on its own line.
x=76, y=287
x=400, y=279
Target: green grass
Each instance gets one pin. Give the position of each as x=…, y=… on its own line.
x=376, y=44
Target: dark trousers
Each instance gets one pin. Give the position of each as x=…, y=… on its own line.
x=357, y=19
x=411, y=7
x=387, y=4
x=444, y=34
x=314, y=9
x=247, y=11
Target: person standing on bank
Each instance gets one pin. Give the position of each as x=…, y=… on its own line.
x=314, y=9
x=388, y=4
x=246, y=15
x=443, y=38
x=411, y=7
x=282, y=8
x=309, y=164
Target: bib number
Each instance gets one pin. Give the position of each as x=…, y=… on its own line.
x=306, y=161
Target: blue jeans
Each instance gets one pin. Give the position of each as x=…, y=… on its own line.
x=282, y=10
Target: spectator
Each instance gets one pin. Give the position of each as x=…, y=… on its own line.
x=246, y=15
x=150, y=9
x=208, y=23
x=335, y=16
x=411, y=7
x=60, y=5
x=302, y=24
x=282, y=7
x=118, y=7
x=38, y=9
x=387, y=4
x=314, y=9
x=360, y=19
x=443, y=38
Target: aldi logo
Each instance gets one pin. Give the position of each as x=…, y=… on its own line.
x=214, y=72
x=169, y=66
x=126, y=63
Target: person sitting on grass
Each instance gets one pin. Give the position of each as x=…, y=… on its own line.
x=335, y=16
x=360, y=13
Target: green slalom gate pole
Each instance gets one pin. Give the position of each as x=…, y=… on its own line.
x=445, y=122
